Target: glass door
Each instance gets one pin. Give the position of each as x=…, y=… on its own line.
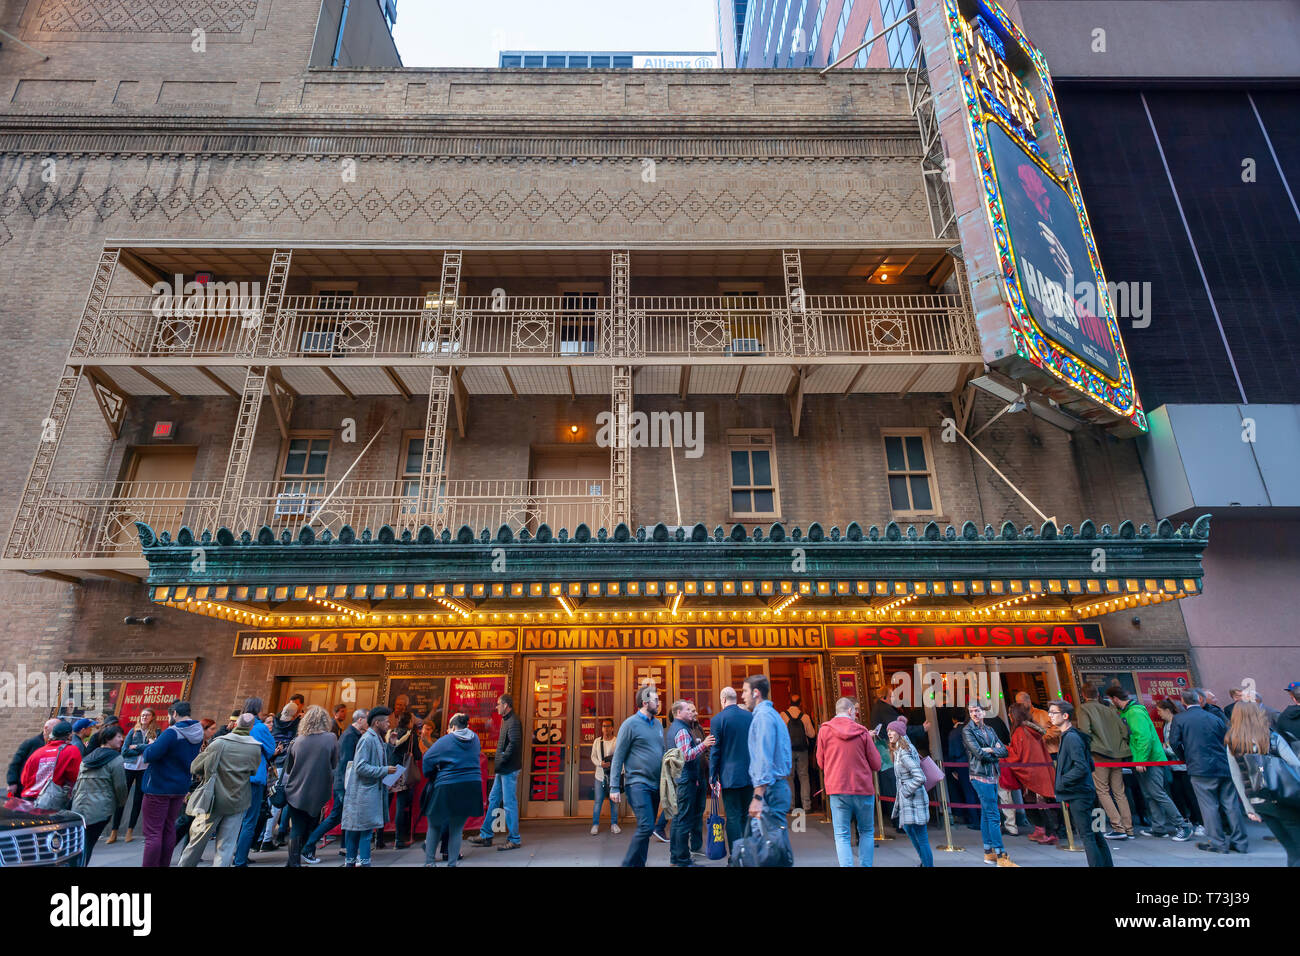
x=737, y=669
x=597, y=695
x=548, y=788
x=696, y=681
x=657, y=672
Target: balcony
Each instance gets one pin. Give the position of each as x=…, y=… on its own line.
x=80, y=520
x=532, y=330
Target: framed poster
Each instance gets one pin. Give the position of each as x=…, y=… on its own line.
x=124, y=688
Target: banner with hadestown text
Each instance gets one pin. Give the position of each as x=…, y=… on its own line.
x=670, y=638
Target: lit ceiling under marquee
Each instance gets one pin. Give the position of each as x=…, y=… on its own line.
x=1033, y=345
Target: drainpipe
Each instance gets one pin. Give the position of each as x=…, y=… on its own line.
x=338, y=42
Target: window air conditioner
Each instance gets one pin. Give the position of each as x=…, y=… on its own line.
x=318, y=341
x=745, y=347
x=291, y=503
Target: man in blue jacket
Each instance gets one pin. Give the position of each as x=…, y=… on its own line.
x=1197, y=738
x=729, y=773
x=262, y=734
x=166, y=781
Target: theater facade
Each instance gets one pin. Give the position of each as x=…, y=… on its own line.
x=424, y=386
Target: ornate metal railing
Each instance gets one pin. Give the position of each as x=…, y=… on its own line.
x=525, y=327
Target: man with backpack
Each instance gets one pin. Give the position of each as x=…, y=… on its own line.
x=800, y=727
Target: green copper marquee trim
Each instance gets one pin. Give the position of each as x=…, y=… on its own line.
x=656, y=553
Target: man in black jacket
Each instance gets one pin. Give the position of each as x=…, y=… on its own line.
x=729, y=768
x=13, y=776
x=1288, y=722
x=505, y=782
x=1074, y=786
x=347, y=750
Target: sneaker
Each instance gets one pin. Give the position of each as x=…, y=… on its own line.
x=1183, y=834
x=1156, y=834
x=1004, y=860
x=1012, y=831
x=1200, y=830
x=1209, y=848
x=595, y=830
x=990, y=857
x=660, y=837
x=508, y=845
x=615, y=829
x=1115, y=835
x=1129, y=836
x=479, y=841
x=310, y=858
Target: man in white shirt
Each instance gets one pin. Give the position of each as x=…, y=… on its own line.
x=602, y=753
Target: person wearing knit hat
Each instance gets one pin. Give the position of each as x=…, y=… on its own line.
x=911, y=807
x=847, y=755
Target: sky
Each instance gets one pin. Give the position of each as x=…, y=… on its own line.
x=447, y=33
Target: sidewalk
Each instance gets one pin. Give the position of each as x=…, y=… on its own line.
x=567, y=843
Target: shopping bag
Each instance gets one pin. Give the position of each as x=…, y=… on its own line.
x=716, y=842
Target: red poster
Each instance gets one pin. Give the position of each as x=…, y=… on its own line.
x=1154, y=686
x=848, y=682
x=156, y=695
x=476, y=697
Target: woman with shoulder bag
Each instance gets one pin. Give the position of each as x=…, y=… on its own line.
x=1250, y=735
x=142, y=735
x=912, y=803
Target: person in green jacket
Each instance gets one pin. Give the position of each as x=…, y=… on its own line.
x=1144, y=743
x=1107, y=735
x=101, y=786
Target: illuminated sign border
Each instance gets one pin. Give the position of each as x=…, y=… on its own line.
x=1031, y=342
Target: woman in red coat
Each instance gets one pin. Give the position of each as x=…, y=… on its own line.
x=1027, y=747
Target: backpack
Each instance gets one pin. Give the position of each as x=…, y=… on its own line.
x=798, y=733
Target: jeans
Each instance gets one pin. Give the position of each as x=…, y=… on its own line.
x=301, y=823
x=642, y=799
x=602, y=796
x=357, y=842
x=225, y=828
x=1283, y=823
x=159, y=813
x=845, y=808
x=134, y=782
x=450, y=830
x=1213, y=793
x=799, y=768
x=1012, y=817
x=735, y=806
x=249, y=828
x=916, y=832
x=776, y=807
x=505, y=792
x=1095, y=846
x=690, y=797
x=405, y=818
x=329, y=823
x=1165, y=817
x=93, y=830
x=990, y=828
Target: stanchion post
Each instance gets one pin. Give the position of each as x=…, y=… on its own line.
x=949, y=846
x=880, y=815
x=1069, y=831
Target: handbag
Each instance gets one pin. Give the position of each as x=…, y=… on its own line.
x=932, y=773
x=716, y=841
x=53, y=796
x=201, y=799
x=762, y=847
x=1272, y=779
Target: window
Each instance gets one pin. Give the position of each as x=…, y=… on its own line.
x=754, y=489
x=302, y=474
x=622, y=63
x=533, y=61
x=794, y=34
x=319, y=333
x=578, y=324
x=554, y=61
x=409, y=469
x=511, y=60
x=901, y=40
x=865, y=52
x=839, y=31
x=817, y=32
x=600, y=62
x=908, y=470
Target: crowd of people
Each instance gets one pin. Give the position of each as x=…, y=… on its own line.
x=293, y=777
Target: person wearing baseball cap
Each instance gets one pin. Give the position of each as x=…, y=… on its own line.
x=1288, y=722
x=365, y=800
x=53, y=768
x=82, y=728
